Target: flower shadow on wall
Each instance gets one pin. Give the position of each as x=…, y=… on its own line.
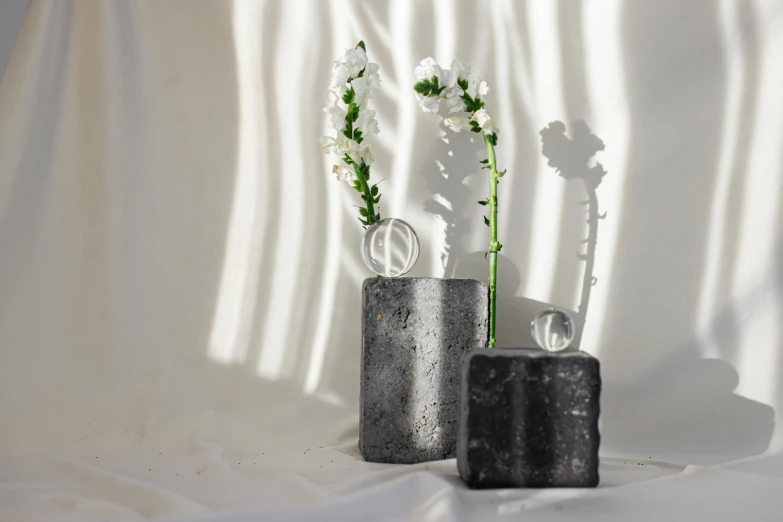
x=452, y=199
x=723, y=416
x=571, y=158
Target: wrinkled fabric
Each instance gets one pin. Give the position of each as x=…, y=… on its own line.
x=180, y=272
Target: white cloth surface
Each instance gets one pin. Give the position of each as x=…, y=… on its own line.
x=179, y=271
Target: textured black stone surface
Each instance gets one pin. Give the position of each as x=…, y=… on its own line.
x=414, y=333
x=528, y=418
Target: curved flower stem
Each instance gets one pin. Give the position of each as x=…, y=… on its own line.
x=494, y=246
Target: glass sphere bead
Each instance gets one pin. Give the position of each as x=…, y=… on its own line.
x=390, y=247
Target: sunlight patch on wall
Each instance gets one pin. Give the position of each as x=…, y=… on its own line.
x=333, y=224
x=736, y=83
x=402, y=20
x=608, y=100
x=230, y=334
x=501, y=97
x=445, y=21
x=548, y=201
x=445, y=12
x=289, y=71
x=756, y=295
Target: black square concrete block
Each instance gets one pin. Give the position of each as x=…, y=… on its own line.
x=414, y=333
x=528, y=418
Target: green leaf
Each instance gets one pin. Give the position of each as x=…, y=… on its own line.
x=423, y=87
x=363, y=221
x=500, y=247
x=463, y=83
x=362, y=211
x=486, y=220
x=361, y=44
x=485, y=202
x=376, y=200
x=502, y=173
x=474, y=126
x=349, y=96
x=374, y=190
x=357, y=136
x=484, y=161
x=364, y=171
x=493, y=139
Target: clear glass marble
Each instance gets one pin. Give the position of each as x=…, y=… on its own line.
x=553, y=330
x=390, y=247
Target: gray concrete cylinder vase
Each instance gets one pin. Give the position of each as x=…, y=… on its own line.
x=414, y=333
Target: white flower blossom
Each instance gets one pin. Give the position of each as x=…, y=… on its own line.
x=458, y=123
x=371, y=73
x=427, y=68
x=344, y=173
x=454, y=100
x=429, y=103
x=464, y=71
x=336, y=117
x=339, y=83
x=448, y=79
x=361, y=87
x=341, y=146
x=329, y=145
x=367, y=122
x=354, y=60
x=367, y=155
x=485, y=122
x=482, y=90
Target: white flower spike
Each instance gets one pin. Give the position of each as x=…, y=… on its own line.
x=350, y=92
x=461, y=90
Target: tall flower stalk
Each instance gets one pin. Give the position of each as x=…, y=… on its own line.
x=462, y=91
x=351, y=119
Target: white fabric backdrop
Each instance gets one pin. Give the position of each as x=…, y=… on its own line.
x=179, y=271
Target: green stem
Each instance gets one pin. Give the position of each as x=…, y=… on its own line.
x=368, y=197
x=493, y=235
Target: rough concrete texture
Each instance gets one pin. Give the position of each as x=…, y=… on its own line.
x=528, y=418
x=414, y=333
